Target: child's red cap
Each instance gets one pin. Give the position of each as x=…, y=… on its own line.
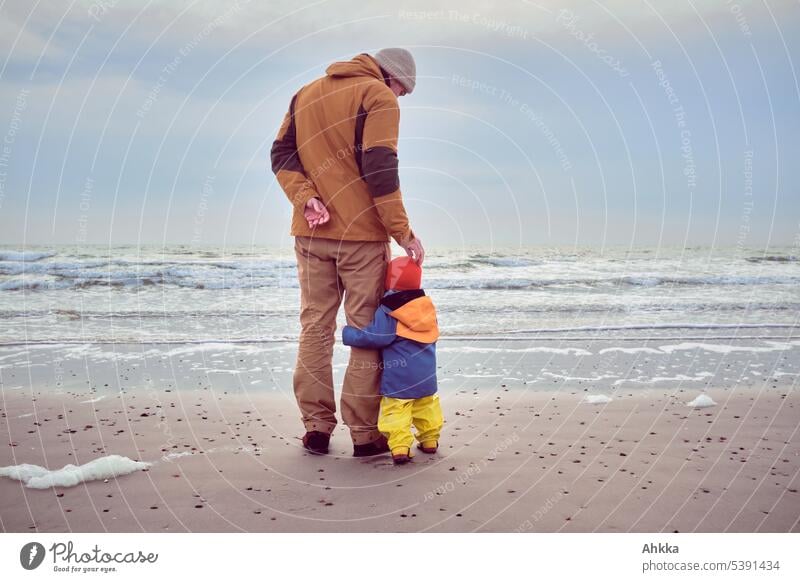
x=403, y=274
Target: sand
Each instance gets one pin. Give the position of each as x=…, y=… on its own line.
x=512, y=459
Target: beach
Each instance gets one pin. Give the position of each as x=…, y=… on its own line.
x=575, y=435
x=565, y=377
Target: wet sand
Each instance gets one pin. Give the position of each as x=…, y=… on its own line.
x=512, y=459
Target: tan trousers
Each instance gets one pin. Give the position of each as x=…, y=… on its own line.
x=328, y=270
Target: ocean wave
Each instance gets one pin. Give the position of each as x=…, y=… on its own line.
x=82, y=268
x=163, y=314
x=491, y=271
x=27, y=256
x=54, y=284
x=434, y=264
x=621, y=305
x=630, y=281
x=774, y=259
x=255, y=279
x=446, y=309
x=80, y=347
x=648, y=326
x=499, y=261
x=34, y=285
x=479, y=261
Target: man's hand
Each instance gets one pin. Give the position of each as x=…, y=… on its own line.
x=415, y=250
x=315, y=213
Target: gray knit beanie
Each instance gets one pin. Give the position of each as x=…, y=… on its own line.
x=399, y=64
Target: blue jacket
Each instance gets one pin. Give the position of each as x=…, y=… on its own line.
x=406, y=330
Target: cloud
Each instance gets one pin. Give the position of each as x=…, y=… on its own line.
x=23, y=44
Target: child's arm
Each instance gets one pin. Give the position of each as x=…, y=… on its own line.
x=378, y=334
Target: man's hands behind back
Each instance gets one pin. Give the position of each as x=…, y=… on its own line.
x=315, y=213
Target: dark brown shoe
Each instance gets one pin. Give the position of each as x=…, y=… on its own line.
x=376, y=447
x=317, y=442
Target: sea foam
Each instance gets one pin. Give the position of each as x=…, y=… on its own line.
x=597, y=399
x=702, y=401
x=36, y=477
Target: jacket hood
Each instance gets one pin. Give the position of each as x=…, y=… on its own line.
x=362, y=65
x=416, y=320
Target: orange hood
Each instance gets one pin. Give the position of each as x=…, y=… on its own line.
x=362, y=65
x=416, y=320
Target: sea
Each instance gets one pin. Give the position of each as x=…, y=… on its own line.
x=186, y=294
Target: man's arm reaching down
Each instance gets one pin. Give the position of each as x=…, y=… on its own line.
x=379, y=161
x=378, y=334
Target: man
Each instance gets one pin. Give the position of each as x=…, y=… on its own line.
x=336, y=159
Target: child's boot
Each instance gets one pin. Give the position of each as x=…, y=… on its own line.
x=428, y=447
x=401, y=455
x=394, y=421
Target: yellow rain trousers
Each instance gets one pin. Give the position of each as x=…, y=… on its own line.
x=398, y=414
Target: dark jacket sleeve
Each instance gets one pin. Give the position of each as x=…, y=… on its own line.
x=286, y=164
x=379, y=160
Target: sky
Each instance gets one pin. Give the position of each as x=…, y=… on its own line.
x=625, y=122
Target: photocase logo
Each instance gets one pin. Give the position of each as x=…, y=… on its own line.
x=31, y=555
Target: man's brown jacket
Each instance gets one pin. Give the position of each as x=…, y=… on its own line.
x=338, y=141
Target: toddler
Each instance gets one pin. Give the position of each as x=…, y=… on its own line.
x=406, y=330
